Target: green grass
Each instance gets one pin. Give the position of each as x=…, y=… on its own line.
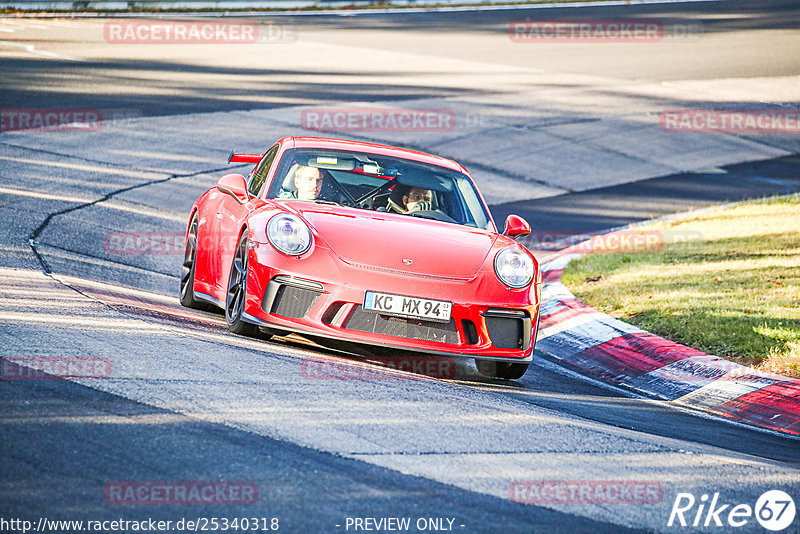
x=729, y=286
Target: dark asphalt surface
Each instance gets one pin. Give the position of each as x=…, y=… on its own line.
x=63, y=441
x=610, y=207
x=111, y=79
x=56, y=463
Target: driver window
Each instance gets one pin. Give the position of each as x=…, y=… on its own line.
x=262, y=171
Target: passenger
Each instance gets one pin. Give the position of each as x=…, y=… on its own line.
x=309, y=182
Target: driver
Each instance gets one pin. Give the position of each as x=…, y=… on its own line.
x=415, y=199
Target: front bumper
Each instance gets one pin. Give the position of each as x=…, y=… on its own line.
x=322, y=295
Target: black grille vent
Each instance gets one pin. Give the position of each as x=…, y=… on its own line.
x=508, y=329
x=290, y=297
x=365, y=321
x=293, y=302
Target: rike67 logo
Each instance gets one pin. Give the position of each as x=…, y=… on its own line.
x=774, y=510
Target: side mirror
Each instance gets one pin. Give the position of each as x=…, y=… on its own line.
x=516, y=226
x=234, y=185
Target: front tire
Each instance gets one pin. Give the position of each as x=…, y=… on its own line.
x=237, y=291
x=188, y=269
x=501, y=370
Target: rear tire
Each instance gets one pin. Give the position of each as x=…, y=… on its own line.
x=501, y=370
x=237, y=291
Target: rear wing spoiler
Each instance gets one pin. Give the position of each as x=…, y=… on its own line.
x=244, y=158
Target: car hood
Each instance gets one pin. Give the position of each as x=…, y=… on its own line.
x=400, y=242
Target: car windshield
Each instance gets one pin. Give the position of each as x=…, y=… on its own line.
x=378, y=183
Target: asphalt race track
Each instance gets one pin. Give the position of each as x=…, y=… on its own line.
x=565, y=134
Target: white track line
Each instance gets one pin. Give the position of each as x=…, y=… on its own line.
x=37, y=52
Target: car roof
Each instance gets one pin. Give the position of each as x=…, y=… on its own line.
x=375, y=148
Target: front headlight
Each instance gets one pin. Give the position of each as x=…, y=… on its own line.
x=513, y=267
x=289, y=234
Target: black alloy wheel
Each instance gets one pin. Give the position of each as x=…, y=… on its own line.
x=237, y=291
x=187, y=270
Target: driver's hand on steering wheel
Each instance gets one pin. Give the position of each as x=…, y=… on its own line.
x=422, y=205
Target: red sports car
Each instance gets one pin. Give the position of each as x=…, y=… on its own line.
x=367, y=244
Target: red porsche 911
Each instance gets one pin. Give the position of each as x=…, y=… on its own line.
x=368, y=244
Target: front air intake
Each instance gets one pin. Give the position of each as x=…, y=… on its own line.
x=290, y=297
x=470, y=332
x=508, y=329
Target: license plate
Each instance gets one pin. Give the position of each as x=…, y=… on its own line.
x=432, y=310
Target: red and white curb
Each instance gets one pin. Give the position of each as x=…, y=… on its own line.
x=596, y=344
